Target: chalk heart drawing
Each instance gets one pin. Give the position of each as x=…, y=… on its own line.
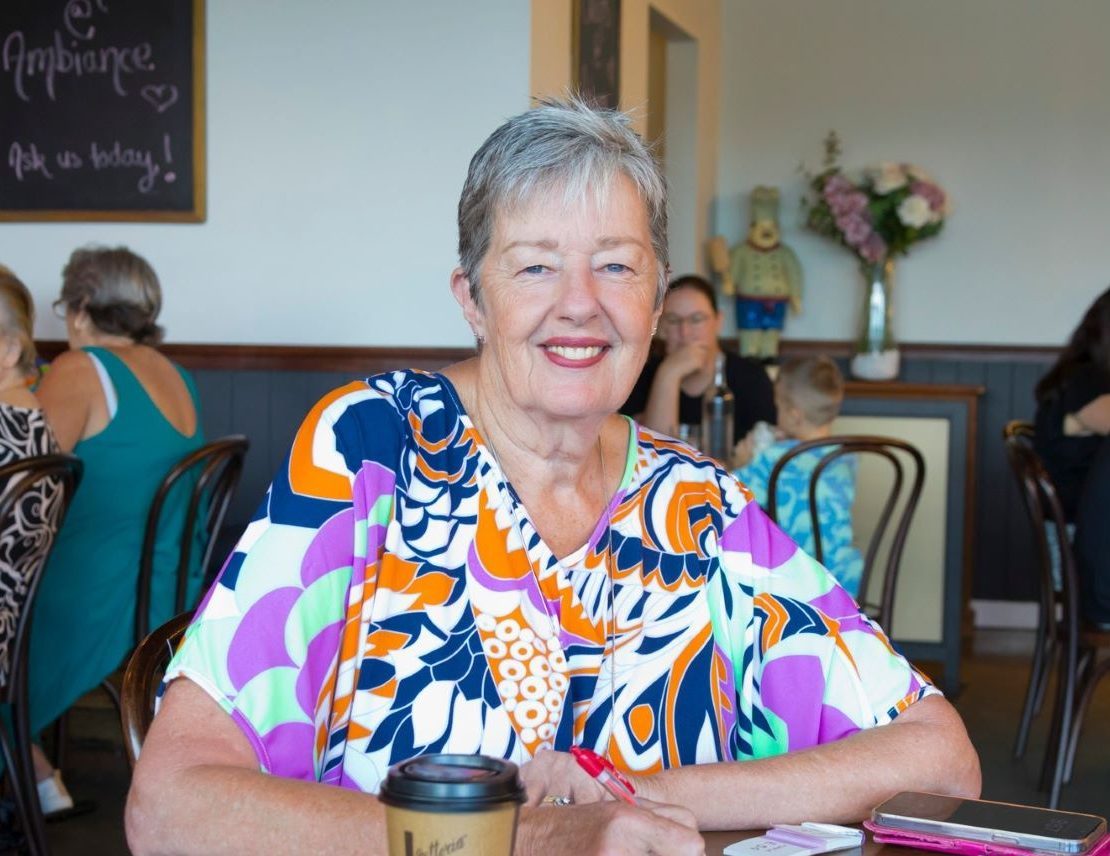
x=161, y=96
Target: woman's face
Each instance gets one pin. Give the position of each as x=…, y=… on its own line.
x=567, y=302
x=688, y=319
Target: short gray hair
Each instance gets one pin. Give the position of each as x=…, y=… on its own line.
x=117, y=288
x=559, y=143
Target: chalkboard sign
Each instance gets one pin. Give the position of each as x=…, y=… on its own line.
x=102, y=110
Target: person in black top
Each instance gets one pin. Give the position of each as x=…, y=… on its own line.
x=1072, y=424
x=669, y=390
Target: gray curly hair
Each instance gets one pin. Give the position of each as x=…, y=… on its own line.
x=117, y=288
x=565, y=144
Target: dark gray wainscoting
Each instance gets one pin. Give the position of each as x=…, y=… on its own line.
x=264, y=391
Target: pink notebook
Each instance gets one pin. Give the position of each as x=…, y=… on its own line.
x=962, y=846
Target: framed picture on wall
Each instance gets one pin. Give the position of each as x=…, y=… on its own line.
x=598, y=39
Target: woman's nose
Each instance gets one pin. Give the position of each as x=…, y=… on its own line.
x=578, y=292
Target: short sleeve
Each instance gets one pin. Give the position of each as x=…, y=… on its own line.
x=267, y=641
x=809, y=667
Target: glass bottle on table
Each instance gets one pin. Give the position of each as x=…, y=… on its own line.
x=717, y=415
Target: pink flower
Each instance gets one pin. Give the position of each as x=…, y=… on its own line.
x=932, y=194
x=835, y=185
x=844, y=204
x=855, y=229
x=873, y=249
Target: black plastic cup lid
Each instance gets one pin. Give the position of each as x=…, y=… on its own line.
x=451, y=783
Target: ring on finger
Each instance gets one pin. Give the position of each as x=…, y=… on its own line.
x=558, y=800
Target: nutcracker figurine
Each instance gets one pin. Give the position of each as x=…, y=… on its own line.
x=765, y=277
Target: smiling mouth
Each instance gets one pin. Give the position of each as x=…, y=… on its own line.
x=577, y=353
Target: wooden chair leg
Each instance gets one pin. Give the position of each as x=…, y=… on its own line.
x=1051, y=654
x=22, y=768
x=1055, y=756
x=1034, y=694
x=1092, y=675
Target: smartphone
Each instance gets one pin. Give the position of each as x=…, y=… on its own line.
x=1001, y=823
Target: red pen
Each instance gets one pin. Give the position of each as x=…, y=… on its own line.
x=606, y=775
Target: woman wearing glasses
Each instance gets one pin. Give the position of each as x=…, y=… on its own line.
x=670, y=388
x=129, y=414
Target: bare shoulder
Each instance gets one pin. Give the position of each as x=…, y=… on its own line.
x=20, y=396
x=69, y=365
x=148, y=363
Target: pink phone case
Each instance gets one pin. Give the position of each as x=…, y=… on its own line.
x=964, y=846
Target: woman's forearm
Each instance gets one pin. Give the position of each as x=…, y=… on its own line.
x=661, y=411
x=197, y=789
x=925, y=749
x=219, y=809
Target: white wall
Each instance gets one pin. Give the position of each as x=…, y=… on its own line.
x=1004, y=101
x=338, y=139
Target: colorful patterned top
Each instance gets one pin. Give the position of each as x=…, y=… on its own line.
x=381, y=606
x=836, y=493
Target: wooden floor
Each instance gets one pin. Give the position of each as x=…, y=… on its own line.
x=990, y=701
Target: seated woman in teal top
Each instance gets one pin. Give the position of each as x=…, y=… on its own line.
x=129, y=414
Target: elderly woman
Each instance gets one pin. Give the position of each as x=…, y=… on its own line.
x=669, y=391
x=129, y=414
x=24, y=433
x=490, y=560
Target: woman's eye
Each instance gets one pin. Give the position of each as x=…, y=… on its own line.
x=534, y=269
x=617, y=267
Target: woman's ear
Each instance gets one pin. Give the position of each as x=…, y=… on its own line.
x=81, y=321
x=472, y=312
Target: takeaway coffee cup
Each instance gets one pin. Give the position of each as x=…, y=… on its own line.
x=452, y=805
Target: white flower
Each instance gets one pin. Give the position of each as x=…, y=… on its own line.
x=918, y=174
x=887, y=177
x=915, y=211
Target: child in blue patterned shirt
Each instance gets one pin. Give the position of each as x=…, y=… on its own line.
x=808, y=394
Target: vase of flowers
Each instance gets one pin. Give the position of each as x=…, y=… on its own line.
x=877, y=215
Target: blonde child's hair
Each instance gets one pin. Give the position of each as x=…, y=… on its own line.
x=815, y=386
x=17, y=317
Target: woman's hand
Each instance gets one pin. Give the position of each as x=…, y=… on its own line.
x=557, y=774
x=611, y=828
x=687, y=359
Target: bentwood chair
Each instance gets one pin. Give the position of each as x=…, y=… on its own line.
x=142, y=678
x=210, y=474
x=1080, y=650
x=37, y=492
x=1019, y=433
x=898, y=454
x=215, y=469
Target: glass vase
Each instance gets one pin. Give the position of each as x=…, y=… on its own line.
x=876, y=356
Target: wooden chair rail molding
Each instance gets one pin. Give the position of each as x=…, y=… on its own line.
x=368, y=360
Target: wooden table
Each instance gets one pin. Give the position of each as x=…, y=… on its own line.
x=716, y=842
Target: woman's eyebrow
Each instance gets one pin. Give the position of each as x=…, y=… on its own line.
x=542, y=243
x=609, y=241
